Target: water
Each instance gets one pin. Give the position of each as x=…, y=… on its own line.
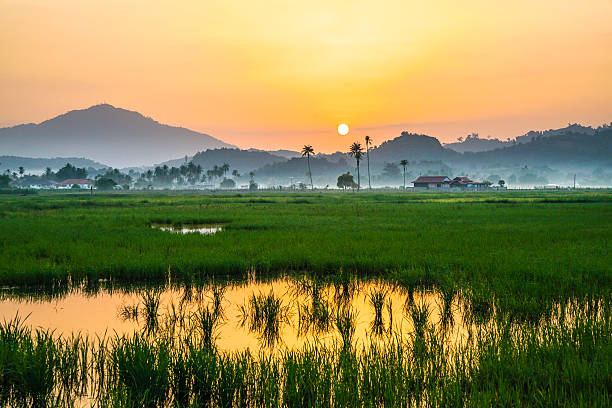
x=192, y=229
x=306, y=312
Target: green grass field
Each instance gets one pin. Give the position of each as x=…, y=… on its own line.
x=523, y=247
x=520, y=259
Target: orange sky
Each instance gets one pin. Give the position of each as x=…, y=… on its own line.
x=282, y=73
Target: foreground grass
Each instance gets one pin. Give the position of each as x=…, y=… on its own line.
x=553, y=364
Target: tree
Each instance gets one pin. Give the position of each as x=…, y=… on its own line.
x=228, y=183
x=391, y=171
x=235, y=173
x=225, y=168
x=21, y=171
x=357, y=152
x=368, y=141
x=346, y=181
x=252, y=184
x=70, y=172
x=307, y=150
x=501, y=183
x=404, y=163
x=4, y=181
x=104, y=183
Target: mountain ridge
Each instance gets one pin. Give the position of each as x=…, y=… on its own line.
x=107, y=134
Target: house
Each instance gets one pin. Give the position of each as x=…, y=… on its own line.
x=443, y=182
x=39, y=184
x=466, y=183
x=82, y=183
x=432, y=182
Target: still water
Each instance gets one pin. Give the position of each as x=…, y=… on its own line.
x=203, y=229
x=280, y=314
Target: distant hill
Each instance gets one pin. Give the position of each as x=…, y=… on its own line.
x=323, y=171
x=572, y=128
x=568, y=148
x=472, y=143
x=31, y=164
x=411, y=146
x=287, y=154
x=242, y=160
x=106, y=134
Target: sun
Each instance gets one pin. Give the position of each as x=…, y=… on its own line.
x=343, y=129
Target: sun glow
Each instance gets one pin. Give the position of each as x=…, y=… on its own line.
x=343, y=129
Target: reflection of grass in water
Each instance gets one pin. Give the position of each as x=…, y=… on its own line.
x=129, y=312
x=264, y=314
x=150, y=307
x=346, y=319
x=206, y=321
x=316, y=315
x=376, y=299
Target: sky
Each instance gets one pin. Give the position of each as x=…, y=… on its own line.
x=280, y=73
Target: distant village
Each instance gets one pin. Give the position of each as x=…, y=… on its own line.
x=193, y=177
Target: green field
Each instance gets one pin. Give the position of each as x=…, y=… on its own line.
x=534, y=267
x=522, y=248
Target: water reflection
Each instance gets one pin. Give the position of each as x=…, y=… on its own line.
x=191, y=229
x=283, y=314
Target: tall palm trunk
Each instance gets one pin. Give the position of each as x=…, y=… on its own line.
x=358, y=177
x=404, y=178
x=310, y=174
x=368, y=158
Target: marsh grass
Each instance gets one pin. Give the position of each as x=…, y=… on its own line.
x=264, y=314
x=564, y=361
x=150, y=308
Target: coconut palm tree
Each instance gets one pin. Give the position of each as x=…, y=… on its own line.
x=357, y=152
x=368, y=141
x=307, y=150
x=225, y=168
x=404, y=163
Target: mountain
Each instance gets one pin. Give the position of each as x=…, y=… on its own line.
x=472, y=144
x=561, y=149
x=36, y=165
x=411, y=146
x=107, y=134
x=323, y=171
x=571, y=128
x=242, y=160
x=287, y=154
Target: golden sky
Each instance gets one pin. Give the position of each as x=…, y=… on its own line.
x=282, y=73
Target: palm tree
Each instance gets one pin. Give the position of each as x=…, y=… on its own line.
x=307, y=151
x=235, y=173
x=357, y=152
x=225, y=168
x=21, y=171
x=404, y=163
x=368, y=141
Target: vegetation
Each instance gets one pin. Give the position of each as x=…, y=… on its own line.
x=307, y=151
x=357, y=152
x=533, y=269
x=104, y=183
x=345, y=181
x=368, y=141
x=557, y=362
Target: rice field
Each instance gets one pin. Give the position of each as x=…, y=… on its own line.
x=525, y=277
